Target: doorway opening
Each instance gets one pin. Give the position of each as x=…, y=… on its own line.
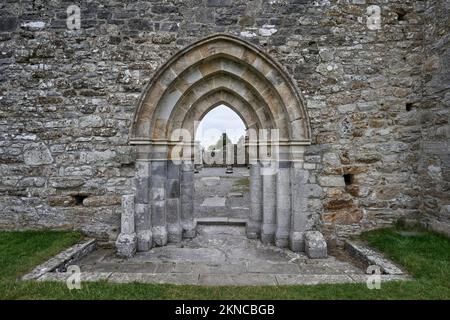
x=221, y=180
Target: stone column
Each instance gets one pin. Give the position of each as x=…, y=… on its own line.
x=255, y=219
x=300, y=191
x=126, y=242
x=187, y=199
x=283, y=204
x=158, y=201
x=142, y=206
x=173, y=214
x=269, y=203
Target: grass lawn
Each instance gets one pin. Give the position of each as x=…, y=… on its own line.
x=425, y=255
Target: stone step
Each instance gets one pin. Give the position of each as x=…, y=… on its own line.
x=235, y=195
x=216, y=279
x=221, y=221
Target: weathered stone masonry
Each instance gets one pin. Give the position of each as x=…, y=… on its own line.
x=377, y=103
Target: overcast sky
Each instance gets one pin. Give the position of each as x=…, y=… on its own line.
x=218, y=120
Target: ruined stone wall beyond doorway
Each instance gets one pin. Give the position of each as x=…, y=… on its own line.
x=68, y=100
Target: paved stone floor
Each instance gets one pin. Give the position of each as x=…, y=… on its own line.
x=218, y=194
x=219, y=255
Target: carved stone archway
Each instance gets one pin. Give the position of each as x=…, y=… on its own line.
x=220, y=69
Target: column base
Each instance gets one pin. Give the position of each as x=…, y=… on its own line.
x=296, y=241
x=174, y=233
x=253, y=229
x=189, y=229
x=267, y=238
x=159, y=236
x=144, y=240
x=282, y=239
x=126, y=245
x=268, y=233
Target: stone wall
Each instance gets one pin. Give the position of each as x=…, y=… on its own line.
x=434, y=166
x=67, y=99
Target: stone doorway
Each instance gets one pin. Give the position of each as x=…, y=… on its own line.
x=220, y=69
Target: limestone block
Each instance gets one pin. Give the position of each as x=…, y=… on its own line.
x=98, y=201
x=173, y=170
x=172, y=188
x=253, y=229
x=331, y=181
x=300, y=176
x=159, y=235
x=127, y=219
x=144, y=240
x=126, y=245
x=173, y=210
x=254, y=223
x=174, y=233
x=142, y=190
x=158, y=169
x=283, y=208
x=315, y=245
x=371, y=257
x=36, y=154
x=269, y=209
x=158, y=210
x=66, y=182
x=61, y=201
x=186, y=192
x=297, y=241
x=91, y=121
x=173, y=218
x=97, y=156
x=142, y=217
x=331, y=159
x=189, y=228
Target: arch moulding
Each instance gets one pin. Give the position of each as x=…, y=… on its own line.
x=220, y=69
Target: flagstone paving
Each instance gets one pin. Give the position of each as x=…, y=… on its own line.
x=218, y=194
x=219, y=255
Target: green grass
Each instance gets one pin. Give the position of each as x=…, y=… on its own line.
x=426, y=256
x=20, y=252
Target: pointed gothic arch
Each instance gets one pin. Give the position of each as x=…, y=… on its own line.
x=220, y=69
x=220, y=60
